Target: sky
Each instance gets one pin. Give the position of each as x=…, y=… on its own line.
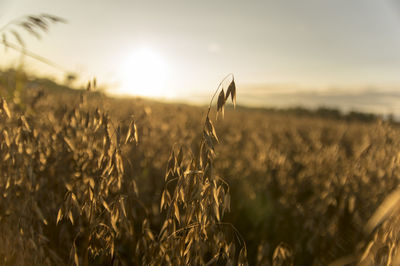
x=182, y=49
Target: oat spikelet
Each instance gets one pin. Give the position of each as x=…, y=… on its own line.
x=283, y=255
x=33, y=25
x=221, y=103
x=232, y=92
x=4, y=108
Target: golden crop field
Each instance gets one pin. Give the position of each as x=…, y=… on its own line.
x=91, y=180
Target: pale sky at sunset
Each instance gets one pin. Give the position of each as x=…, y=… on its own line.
x=303, y=44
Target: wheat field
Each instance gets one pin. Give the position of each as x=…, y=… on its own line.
x=90, y=180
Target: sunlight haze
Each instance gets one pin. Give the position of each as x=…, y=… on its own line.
x=294, y=45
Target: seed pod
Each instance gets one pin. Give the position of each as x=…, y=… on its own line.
x=4, y=108
x=232, y=91
x=221, y=102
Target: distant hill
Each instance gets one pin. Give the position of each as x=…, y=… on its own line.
x=379, y=101
x=11, y=77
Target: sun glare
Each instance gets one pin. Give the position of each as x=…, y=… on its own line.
x=144, y=73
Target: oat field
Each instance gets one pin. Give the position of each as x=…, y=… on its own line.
x=91, y=180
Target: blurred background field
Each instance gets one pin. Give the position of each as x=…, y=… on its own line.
x=309, y=179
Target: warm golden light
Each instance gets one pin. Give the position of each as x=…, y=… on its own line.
x=144, y=73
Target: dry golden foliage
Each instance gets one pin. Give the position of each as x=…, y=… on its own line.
x=78, y=187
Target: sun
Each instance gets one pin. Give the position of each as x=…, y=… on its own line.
x=144, y=73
